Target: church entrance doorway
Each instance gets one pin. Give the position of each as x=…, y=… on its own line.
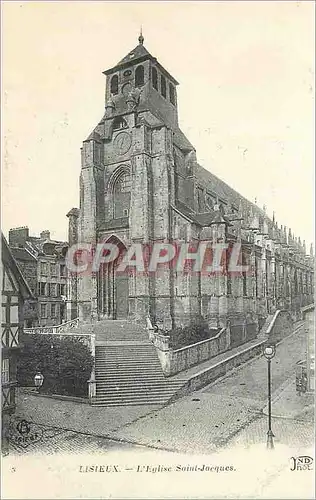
x=113, y=286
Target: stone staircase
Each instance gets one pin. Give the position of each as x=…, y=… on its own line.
x=120, y=331
x=127, y=368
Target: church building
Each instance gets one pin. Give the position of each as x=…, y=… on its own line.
x=140, y=182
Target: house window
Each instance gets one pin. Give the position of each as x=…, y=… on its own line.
x=122, y=195
x=139, y=76
x=5, y=371
x=114, y=84
x=154, y=78
x=48, y=289
x=163, y=86
x=62, y=270
x=44, y=268
x=62, y=289
x=53, y=270
x=53, y=310
x=53, y=289
x=42, y=288
x=172, y=94
x=43, y=310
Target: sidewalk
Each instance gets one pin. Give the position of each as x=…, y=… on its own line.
x=288, y=404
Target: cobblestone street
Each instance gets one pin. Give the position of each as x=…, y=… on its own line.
x=208, y=419
x=53, y=440
x=202, y=422
x=222, y=424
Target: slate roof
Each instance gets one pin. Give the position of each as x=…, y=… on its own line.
x=9, y=261
x=211, y=217
x=37, y=244
x=136, y=53
x=93, y=136
x=22, y=254
x=224, y=192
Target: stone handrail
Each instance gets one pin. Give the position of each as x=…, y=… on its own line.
x=200, y=344
x=63, y=328
x=161, y=342
x=175, y=361
x=271, y=325
x=279, y=326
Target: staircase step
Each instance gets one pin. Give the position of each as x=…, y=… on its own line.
x=118, y=388
x=132, y=376
x=124, y=366
x=127, y=367
x=128, y=403
x=129, y=373
x=132, y=361
x=123, y=389
x=136, y=400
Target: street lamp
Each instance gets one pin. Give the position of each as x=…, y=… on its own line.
x=269, y=353
x=38, y=380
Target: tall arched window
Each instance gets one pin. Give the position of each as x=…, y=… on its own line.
x=172, y=94
x=122, y=195
x=154, y=78
x=139, y=76
x=114, y=84
x=163, y=86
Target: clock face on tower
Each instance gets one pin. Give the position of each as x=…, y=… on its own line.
x=122, y=142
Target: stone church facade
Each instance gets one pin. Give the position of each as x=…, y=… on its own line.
x=140, y=182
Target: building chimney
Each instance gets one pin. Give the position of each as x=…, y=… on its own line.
x=45, y=235
x=18, y=236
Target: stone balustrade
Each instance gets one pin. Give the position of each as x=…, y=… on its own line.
x=175, y=361
x=62, y=328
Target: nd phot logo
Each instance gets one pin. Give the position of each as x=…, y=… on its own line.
x=303, y=462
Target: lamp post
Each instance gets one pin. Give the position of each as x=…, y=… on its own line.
x=269, y=353
x=38, y=380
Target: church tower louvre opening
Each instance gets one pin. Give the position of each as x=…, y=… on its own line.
x=140, y=183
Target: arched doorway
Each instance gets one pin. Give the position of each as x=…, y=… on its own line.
x=113, y=286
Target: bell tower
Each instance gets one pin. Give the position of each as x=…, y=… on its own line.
x=128, y=183
x=139, y=80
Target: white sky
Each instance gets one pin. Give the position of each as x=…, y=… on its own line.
x=246, y=97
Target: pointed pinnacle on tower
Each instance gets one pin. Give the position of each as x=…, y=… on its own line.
x=141, y=38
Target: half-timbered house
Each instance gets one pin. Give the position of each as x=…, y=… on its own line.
x=15, y=291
